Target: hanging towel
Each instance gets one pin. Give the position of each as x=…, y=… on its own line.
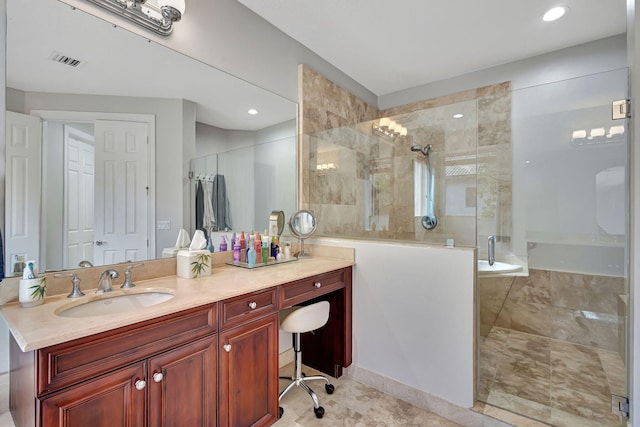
x=208, y=221
x=200, y=207
x=1, y=258
x=220, y=203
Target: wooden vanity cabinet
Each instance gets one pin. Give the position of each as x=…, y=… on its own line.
x=158, y=372
x=327, y=349
x=248, y=360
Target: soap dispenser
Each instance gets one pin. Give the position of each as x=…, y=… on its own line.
x=223, y=244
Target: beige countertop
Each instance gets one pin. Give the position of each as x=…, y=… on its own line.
x=38, y=327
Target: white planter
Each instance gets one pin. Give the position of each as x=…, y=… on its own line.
x=25, y=296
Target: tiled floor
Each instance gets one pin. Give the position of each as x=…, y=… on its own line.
x=352, y=404
x=552, y=381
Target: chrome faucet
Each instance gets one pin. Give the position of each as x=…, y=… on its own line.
x=75, y=292
x=104, y=283
x=128, y=284
x=491, y=243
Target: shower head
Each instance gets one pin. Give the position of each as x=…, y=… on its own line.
x=419, y=148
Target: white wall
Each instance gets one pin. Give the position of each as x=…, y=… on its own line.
x=413, y=315
x=602, y=55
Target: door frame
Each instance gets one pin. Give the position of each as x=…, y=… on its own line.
x=90, y=117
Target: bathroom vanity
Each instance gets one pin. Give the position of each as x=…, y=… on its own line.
x=208, y=356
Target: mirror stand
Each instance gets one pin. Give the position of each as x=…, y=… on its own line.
x=302, y=225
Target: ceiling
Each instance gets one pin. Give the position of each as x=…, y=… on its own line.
x=113, y=61
x=388, y=46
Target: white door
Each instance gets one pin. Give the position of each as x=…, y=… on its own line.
x=121, y=192
x=23, y=184
x=78, y=197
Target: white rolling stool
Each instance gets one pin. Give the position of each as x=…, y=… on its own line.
x=298, y=320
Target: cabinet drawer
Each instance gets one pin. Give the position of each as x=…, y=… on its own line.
x=234, y=311
x=74, y=361
x=309, y=288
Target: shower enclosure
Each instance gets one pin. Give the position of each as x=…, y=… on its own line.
x=541, y=173
x=553, y=336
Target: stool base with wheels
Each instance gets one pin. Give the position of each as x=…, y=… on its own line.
x=298, y=320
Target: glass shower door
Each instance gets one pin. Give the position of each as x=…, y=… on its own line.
x=555, y=347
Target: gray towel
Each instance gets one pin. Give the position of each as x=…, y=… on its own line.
x=220, y=203
x=200, y=208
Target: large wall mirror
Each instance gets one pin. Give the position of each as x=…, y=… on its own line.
x=103, y=128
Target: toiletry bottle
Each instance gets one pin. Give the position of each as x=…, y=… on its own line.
x=251, y=256
x=280, y=255
x=223, y=244
x=243, y=248
x=287, y=250
x=265, y=249
x=210, y=247
x=236, y=251
x=257, y=245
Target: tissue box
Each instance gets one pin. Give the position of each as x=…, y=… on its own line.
x=192, y=264
x=169, y=252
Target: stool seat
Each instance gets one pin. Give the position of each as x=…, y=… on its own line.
x=297, y=320
x=305, y=319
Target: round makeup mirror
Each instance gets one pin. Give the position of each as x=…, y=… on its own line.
x=276, y=223
x=302, y=225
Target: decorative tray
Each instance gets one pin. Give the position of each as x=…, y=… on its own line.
x=261, y=264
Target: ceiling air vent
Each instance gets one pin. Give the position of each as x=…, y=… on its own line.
x=66, y=60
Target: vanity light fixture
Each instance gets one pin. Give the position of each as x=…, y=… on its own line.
x=252, y=111
x=155, y=15
x=554, y=13
x=388, y=128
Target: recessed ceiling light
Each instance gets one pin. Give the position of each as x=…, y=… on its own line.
x=458, y=116
x=555, y=13
x=253, y=111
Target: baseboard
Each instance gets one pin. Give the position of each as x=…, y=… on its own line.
x=285, y=358
x=419, y=398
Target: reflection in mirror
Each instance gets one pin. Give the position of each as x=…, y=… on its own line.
x=302, y=225
x=66, y=199
x=258, y=180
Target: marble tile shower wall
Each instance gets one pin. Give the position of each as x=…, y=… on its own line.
x=361, y=185
x=577, y=308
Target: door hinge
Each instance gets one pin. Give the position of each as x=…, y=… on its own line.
x=621, y=109
x=620, y=405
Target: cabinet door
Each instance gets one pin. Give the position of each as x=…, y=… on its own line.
x=182, y=385
x=114, y=399
x=248, y=392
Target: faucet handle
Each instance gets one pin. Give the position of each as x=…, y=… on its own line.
x=75, y=292
x=127, y=276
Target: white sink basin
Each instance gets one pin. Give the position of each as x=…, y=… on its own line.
x=107, y=304
x=497, y=268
